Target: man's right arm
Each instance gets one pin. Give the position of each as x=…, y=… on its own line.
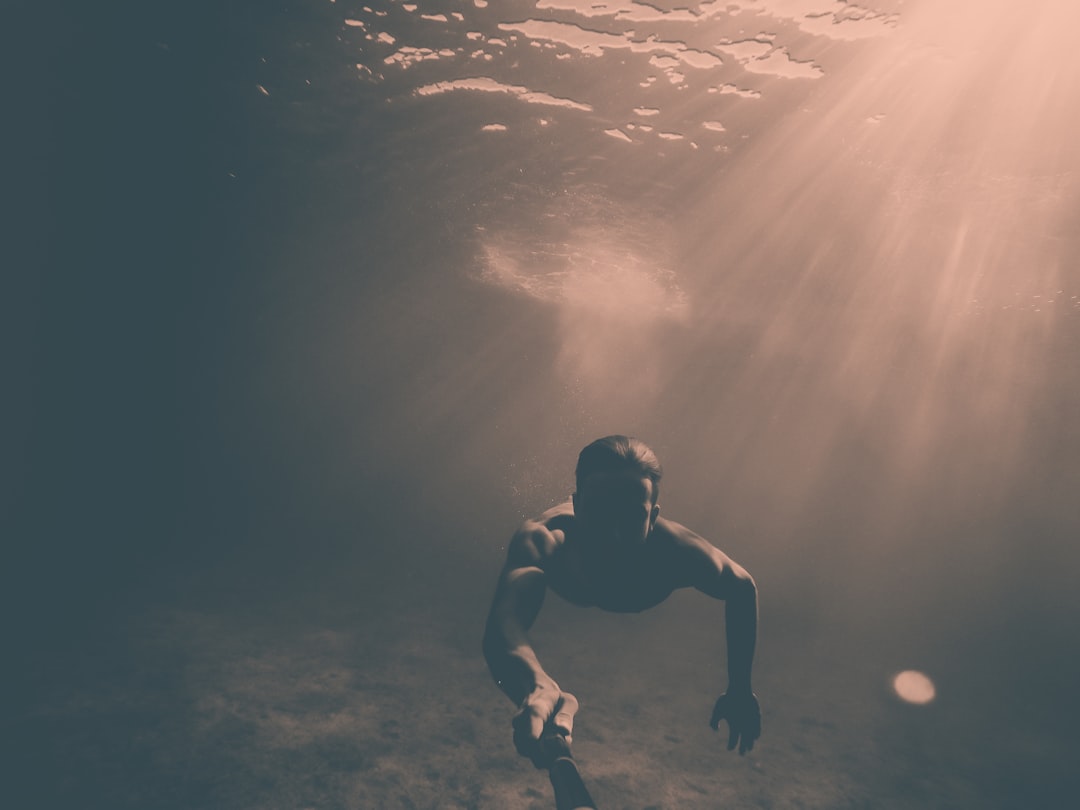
x=518, y=598
x=507, y=649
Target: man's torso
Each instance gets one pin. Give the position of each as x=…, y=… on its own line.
x=625, y=582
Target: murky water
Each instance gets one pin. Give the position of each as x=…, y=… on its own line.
x=411, y=256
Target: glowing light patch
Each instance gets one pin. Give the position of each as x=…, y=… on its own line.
x=702, y=60
x=493, y=128
x=628, y=10
x=780, y=63
x=603, y=272
x=408, y=56
x=913, y=686
x=663, y=62
x=726, y=89
x=594, y=43
x=590, y=43
x=747, y=49
x=835, y=19
x=592, y=271
x=486, y=85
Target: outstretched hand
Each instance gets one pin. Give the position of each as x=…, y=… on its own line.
x=743, y=716
x=546, y=708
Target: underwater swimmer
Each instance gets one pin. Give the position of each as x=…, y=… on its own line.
x=608, y=548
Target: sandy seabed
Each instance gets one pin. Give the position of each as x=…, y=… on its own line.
x=278, y=710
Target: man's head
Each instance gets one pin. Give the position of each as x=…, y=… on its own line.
x=618, y=486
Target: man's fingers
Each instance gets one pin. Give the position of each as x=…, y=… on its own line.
x=528, y=725
x=536, y=724
x=717, y=715
x=535, y=716
x=527, y=728
x=535, y=713
x=564, y=714
x=743, y=716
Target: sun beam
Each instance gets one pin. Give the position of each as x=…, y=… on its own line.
x=894, y=252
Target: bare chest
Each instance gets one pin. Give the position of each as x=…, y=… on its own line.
x=622, y=587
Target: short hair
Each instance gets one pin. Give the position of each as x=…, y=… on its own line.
x=616, y=454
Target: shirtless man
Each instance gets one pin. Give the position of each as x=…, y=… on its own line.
x=609, y=548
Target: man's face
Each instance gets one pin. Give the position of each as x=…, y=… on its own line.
x=616, y=509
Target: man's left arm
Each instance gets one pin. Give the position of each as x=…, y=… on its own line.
x=712, y=572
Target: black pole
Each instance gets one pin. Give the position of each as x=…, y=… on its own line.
x=570, y=790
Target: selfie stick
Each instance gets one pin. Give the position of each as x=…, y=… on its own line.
x=570, y=791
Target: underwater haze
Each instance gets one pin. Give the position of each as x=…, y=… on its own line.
x=325, y=296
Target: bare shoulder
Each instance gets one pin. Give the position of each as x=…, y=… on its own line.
x=698, y=562
x=678, y=538
x=537, y=541
x=557, y=516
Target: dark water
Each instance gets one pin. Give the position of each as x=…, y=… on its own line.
x=307, y=331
